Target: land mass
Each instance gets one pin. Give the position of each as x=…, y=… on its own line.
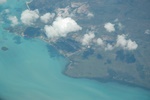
x=127, y=67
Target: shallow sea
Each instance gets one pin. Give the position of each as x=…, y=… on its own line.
x=28, y=72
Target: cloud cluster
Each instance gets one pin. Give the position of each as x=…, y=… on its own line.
x=2, y=1
x=47, y=17
x=87, y=38
x=121, y=41
x=28, y=17
x=61, y=27
x=109, y=27
x=63, y=24
x=126, y=44
x=14, y=20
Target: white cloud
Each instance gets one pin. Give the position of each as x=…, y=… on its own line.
x=100, y=42
x=87, y=38
x=90, y=15
x=109, y=47
x=147, y=31
x=131, y=45
x=2, y=1
x=14, y=20
x=61, y=27
x=28, y=17
x=47, y=17
x=109, y=27
x=126, y=44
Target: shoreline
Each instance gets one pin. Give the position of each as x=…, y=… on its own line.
x=70, y=62
x=106, y=80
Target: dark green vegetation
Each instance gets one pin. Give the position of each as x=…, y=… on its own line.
x=67, y=45
x=122, y=66
x=32, y=32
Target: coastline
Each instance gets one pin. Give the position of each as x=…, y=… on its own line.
x=104, y=80
x=71, y=62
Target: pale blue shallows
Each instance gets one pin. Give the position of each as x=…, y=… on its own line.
x=27, y=72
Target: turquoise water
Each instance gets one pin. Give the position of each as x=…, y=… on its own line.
x=28, y=72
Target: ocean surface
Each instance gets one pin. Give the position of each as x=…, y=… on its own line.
x=28, y=72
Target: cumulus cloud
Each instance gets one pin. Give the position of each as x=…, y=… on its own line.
x=14, y=20
x=109, y=27
x=90, y=15
x=87, y=38
x=100, y=42
x=47, y=17
x=109, y=47
x=126, y=44
x=61, y=27
x=2, y=1
x=28, y=17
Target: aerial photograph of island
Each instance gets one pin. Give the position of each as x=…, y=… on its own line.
x=74, y=49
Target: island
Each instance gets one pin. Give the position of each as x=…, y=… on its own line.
x=119, y=65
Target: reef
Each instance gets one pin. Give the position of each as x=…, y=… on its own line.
x=4, y=48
